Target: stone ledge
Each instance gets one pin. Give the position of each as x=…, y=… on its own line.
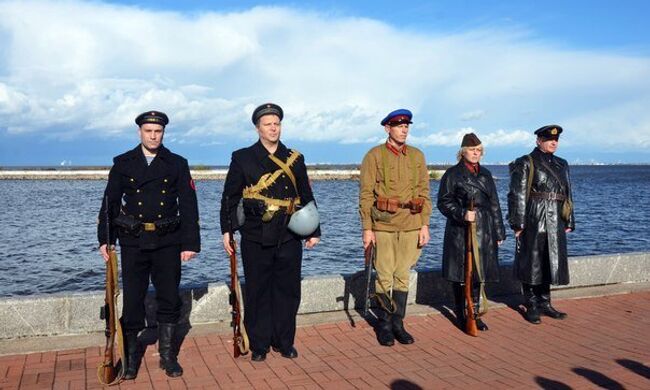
x=78, y=313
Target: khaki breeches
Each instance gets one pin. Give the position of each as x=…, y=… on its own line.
x=397, y=253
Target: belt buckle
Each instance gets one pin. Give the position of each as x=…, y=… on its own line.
x=149, y=226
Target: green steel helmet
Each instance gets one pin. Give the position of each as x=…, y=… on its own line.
x=305, y=221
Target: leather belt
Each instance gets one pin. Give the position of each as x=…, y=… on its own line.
x=547, y=196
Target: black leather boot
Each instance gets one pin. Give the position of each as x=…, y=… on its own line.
x=131, y=350
x=168, y=360
x=530, y=301
x=384, y=323
x=257, y=356
x=459, y=304
x=401, y=335
x=544, y=298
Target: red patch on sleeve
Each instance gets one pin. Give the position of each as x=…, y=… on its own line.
x=192, y=186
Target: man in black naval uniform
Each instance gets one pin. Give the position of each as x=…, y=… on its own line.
x=540, y=211
x=154, y=211
x=272, y=180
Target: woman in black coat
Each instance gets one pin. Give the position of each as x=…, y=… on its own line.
x=461, y=183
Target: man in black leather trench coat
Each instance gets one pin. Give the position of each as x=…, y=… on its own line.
x=155, y=217
x=541, y=214
x=461, y=183
x=271, y=254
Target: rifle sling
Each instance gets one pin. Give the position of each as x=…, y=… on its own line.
x=482, y=298
x=391, y=302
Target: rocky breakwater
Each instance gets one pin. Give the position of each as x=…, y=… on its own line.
x=198, y=174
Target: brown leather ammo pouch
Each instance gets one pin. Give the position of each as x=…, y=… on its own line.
x=387, y=204
x=416, y=205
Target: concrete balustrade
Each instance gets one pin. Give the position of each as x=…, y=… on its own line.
x=78, y=313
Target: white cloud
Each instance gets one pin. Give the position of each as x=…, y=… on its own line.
x=75, y=66
x=472, y=115
x=489, y=139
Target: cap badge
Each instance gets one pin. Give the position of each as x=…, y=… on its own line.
x=554, y=131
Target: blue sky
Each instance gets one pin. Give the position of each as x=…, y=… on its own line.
x=74, y=74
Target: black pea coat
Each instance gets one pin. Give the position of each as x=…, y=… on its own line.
x=149, y=193
x=542, y=253
x=457, y=186
x=247, y=166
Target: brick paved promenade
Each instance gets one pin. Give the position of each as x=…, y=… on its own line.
x=605, y=343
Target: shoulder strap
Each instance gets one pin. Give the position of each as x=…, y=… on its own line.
x=530, y=177
x=414, y=176
x=386, y=171
x=285, y=167
x=384, y=168
x=554, y=174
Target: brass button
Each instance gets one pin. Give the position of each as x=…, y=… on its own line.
x=165, y=180
x=139, y=203
x=286, y=188
x=159, y=216
x=138, y=191
x=164, y=192
x=139, y=215
x=132, y=180
x=162, y=203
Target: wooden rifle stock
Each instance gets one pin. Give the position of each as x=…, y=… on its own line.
x=470, y=316
x=111, y=370
x=239, y=336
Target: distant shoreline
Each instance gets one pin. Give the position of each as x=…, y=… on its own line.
x=197, y=174
x=203, y=172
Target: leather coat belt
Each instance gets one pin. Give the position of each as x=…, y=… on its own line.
x=547, y=196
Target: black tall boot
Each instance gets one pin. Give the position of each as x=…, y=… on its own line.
x=530, y=301
x=543, y=293
x=459, y=304
x=168, y=360
x=384, y=325
x=131, y=350
x=401, y=335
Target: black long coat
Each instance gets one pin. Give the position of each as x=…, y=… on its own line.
x=457, y=187
x=541, y=256
x=247, y=166
x=149, y=193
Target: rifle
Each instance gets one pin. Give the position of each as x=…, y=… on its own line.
x=369, y=255
x=239, y=336
x=111, y=370
x=470, y=324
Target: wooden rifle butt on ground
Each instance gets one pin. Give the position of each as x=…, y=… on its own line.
x=111, y=371
x=240, y=337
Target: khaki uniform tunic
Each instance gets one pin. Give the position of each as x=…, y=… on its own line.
x=397, y=250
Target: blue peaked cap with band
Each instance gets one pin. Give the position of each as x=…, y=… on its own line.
x=397, y=117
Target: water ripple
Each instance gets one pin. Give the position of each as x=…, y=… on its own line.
x=48, y=228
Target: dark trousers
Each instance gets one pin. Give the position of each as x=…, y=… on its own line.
x=163, y=266
x=272, y=293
